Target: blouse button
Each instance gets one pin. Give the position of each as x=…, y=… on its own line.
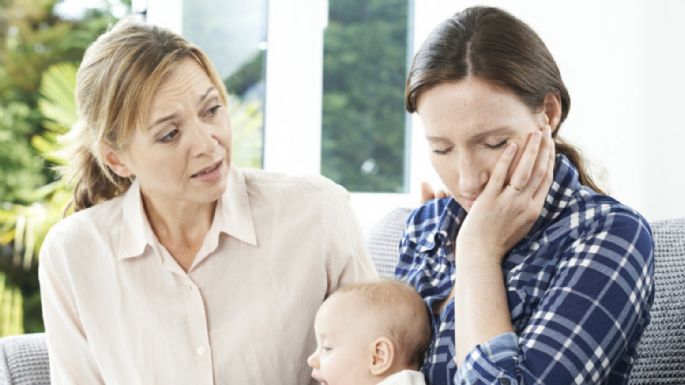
x=200, y=350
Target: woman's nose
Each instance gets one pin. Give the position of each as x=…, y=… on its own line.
x=313, y=361
x=471, y=179
x=203, y=141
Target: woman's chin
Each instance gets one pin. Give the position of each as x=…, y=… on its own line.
x=466, y=204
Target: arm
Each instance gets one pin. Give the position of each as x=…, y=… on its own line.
x=347, y=256
x=502, y=215
x=591, y=315
x=71, y=361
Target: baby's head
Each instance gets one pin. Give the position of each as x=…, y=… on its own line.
x=366, y=332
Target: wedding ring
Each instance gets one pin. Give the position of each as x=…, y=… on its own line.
x=519, y=189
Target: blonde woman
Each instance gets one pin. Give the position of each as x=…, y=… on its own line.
x=178, y=267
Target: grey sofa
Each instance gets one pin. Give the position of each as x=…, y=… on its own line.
x=24, y=359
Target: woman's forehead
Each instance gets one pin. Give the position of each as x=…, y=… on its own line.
x=471, y=107
x=187, y=80
x=187, y=86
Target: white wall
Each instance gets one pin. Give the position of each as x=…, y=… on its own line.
x=622, y=62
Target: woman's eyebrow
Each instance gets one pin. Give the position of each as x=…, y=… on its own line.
x=495, y=131
x=474, y=138
x=210, y=89
x=174, y=115
x=163, y=119
x=433, y=139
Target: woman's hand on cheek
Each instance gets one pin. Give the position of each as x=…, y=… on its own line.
x=508, y=207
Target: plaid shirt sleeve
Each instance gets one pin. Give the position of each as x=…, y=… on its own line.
x=594, y=310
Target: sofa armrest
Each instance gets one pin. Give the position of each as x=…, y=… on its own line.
x=24, y=360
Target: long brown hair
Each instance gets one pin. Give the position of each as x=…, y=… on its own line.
x=491, y=44
x=115, y=85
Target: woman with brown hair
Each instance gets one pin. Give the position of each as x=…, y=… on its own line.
x=178, y=267
x=531, y=273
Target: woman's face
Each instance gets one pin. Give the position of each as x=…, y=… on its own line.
x=468, y=124
x=184, y=152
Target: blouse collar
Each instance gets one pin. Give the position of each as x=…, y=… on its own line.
x=232, y=216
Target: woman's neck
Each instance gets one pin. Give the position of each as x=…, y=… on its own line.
x=180, y=226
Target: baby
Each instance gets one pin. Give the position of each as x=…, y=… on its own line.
x=371, y=334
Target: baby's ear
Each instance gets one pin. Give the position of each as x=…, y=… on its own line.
x=382, y=356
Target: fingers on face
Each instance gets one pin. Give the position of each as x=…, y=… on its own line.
x=541, y=168
x=498, y=177
x=526, y=167
x=543, y=188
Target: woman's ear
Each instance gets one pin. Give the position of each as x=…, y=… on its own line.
x=552, y=110
x=382, y=356
x=115, y=162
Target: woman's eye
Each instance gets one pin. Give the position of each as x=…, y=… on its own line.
x=326, y=349
x=441, y=152
x=213, y=111
x=169, y=136
x=496, y=145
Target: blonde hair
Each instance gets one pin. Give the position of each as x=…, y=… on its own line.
x=115, y=86
x=404, y=316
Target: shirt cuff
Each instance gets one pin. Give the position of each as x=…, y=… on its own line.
x=493, y=362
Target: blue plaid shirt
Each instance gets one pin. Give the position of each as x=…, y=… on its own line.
x=579, y=289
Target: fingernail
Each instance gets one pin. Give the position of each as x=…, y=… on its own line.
x=548, y=130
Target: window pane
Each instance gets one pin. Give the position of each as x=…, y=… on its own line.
x=233, y=34
x=363, y=122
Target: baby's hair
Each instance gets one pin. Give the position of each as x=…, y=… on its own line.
x=405, y=316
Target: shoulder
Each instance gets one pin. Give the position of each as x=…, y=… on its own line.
x=594, y=212
x=606, y=222
x=81, y=228
x=260, y=181
x=425, y=222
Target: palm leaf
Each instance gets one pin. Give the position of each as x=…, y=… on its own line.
x=57, y=103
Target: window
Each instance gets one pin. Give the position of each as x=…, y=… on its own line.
x=363, y=134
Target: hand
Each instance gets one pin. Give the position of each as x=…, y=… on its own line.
x=428, y=194
x=507, y=208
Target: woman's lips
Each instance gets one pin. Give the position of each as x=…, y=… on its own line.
x=209, y=174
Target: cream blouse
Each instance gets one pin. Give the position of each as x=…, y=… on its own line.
x=118, y=309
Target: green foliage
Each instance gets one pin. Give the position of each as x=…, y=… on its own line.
x=363, y=127
x=25, y=226
x=21, y=167
x=247, y=120
x=247, y=76
x=36, y=104
x=10, y=309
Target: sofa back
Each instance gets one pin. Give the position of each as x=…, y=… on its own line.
x=661, y=353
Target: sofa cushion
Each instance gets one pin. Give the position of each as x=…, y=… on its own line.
x=661, y=353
